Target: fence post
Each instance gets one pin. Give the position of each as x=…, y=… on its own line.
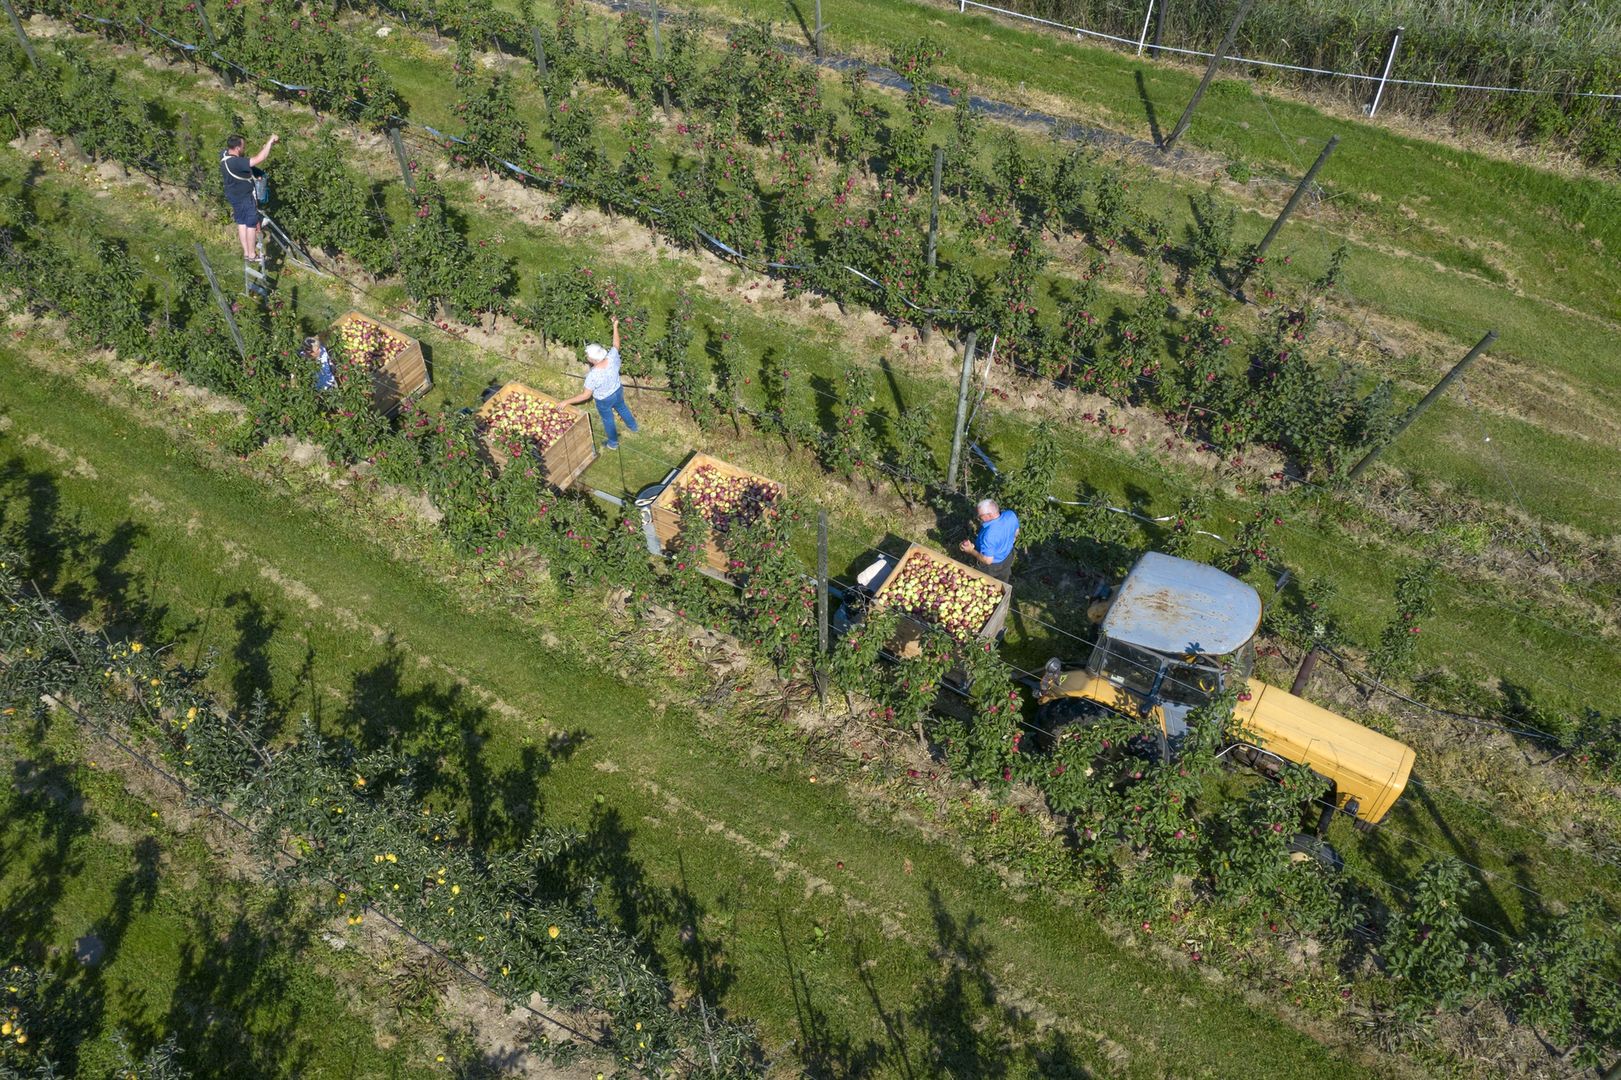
x=399, y=156
x=821, y=581
x=816, y=38
x=962, y=408
x=214, y=48
x=1384, y=73
x=1288, y=209
x=1209, y=73
x=219, y=298
x=1429, y=399
x=1159, y=25
x=1143, y=37
x=658, y=54
x=22, y=38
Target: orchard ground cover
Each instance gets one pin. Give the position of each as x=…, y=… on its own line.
x=283, y=640
x=788, y=884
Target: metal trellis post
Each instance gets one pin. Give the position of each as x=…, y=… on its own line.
x=399, y=156
x=821, y=581
x=1289, y=207
x=214, y=47
x=22, y=38
x=1429, y=399
x=1209, y=73
x=219, y=298
x=962, y=408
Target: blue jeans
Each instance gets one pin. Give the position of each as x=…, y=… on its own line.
x=606, y=407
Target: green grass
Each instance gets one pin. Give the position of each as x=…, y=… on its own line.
x=232, y=970
x=696, y=827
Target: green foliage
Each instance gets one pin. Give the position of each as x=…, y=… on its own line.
x=689, y=590
x=1210, y=242
x=1557, y=978
x=441, y=267
x=689, y=382
x=850, y=447
x=563, y=307
x=1398, y=641
x=1027, y=490
x=910, y=156
x=1428, y=950
x=914, y=450
x=777, y=605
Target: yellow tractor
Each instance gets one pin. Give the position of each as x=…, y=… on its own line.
x=1177, y=633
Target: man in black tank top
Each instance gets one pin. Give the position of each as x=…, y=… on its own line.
x=236, y=169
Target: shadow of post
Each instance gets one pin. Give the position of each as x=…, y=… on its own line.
x=1148, y=109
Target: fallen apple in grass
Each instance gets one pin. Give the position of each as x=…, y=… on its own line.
x=518, y=420
x=944, y=595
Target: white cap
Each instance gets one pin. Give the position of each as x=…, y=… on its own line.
x=596, y=353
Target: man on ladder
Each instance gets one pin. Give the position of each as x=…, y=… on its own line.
x=244, y=186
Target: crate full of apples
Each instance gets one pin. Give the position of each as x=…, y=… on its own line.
x=937, y=593
x=518, y=422
x=398, y=368
x=728, y=497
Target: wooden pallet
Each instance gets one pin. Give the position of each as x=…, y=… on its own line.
x=667, y=517
x=569, y=455
x=907, y=641
x=403, y=376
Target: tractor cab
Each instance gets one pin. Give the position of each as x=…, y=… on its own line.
x=1176, y=634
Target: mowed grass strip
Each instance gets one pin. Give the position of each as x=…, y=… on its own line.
x=902, y=961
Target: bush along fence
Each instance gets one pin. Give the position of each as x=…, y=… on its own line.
x=831, y=198
x=1447, y=61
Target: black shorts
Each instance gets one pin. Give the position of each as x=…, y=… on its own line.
x=245, y=213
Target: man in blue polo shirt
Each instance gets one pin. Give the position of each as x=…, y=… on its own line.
x=992, y=548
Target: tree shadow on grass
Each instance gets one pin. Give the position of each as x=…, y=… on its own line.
x=447, y=730
x=958, y=1025
x=42, y=853
x=237, y=999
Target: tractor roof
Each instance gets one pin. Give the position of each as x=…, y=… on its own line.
x=1174, y=606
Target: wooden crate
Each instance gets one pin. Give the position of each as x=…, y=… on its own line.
x=667, y=517
x=402, y=377
x=566, y=458
x=907, y=640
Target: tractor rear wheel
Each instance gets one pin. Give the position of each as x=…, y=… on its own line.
x=1304, y=846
